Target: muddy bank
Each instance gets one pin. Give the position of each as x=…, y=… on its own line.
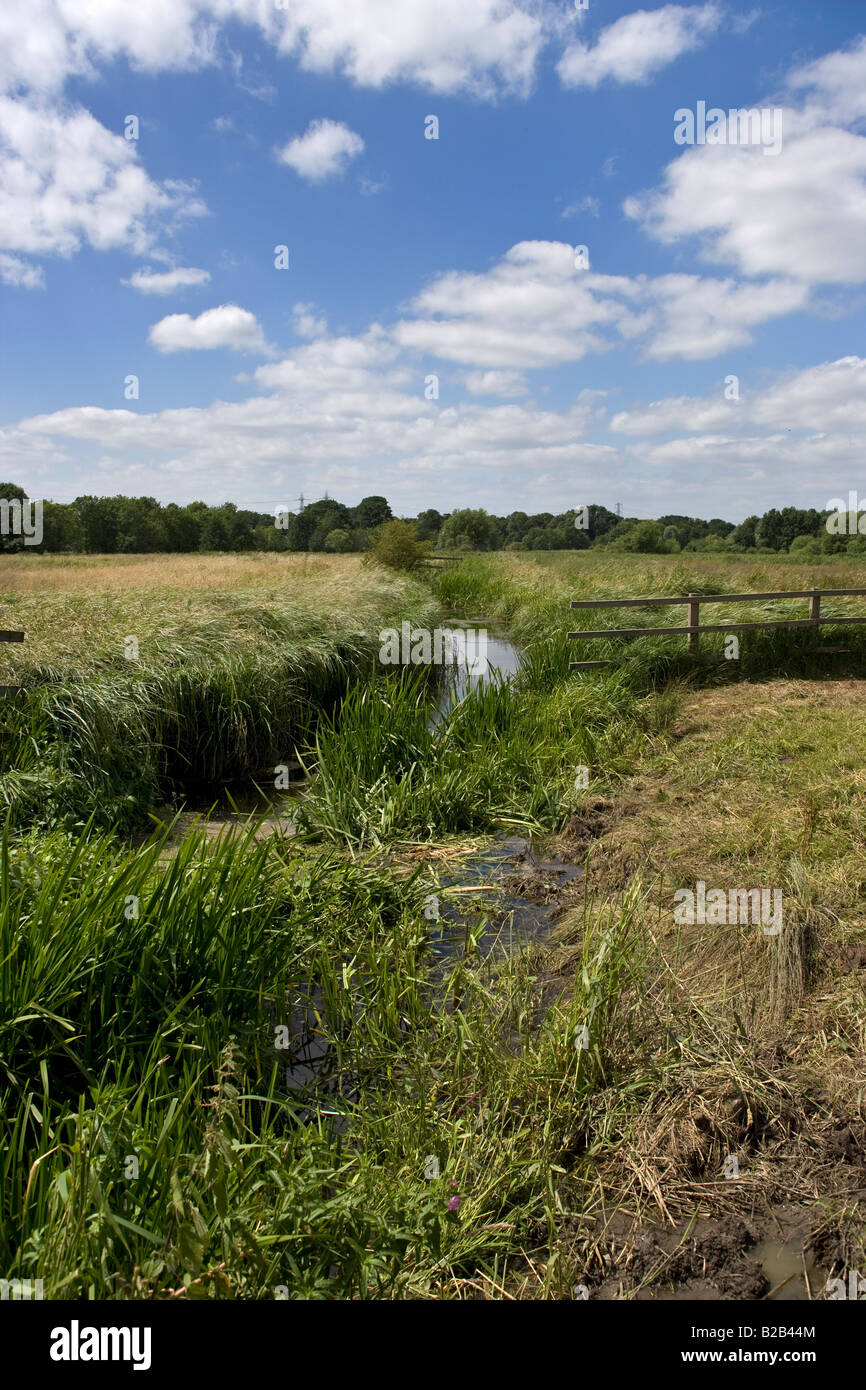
x=768, y=1256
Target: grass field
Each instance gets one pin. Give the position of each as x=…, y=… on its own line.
x=151, y=1146
x=232, y=659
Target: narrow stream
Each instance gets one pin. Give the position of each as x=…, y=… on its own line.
x=502, y=658
x=506, y=890
x=504, y=887
x=274, y=809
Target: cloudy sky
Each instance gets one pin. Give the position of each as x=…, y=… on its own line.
x=236, y=265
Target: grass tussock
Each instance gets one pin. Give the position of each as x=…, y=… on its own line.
x=507, y=755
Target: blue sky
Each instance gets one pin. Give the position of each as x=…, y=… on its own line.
x=303, y=124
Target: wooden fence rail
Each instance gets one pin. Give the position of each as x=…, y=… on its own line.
x=11, y=637
x=694, y=627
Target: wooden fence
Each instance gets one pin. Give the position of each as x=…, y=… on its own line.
x=694, y=627
x=11, y=637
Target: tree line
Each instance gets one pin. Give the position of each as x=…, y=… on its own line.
x=141, y=525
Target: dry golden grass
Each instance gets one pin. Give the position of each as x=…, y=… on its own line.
x=761, y=1042
x=53, y=574
x=76, y=611
x=764, y=786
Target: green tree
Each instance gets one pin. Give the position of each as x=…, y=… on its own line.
x=371, y=512
x=805, y=545
x=601, y=521
x=182, y=526
x=61, y=531
x=643, y=538
x=214, y=532
x=11, y=492
x=300, y=529
x=516, y=526
x=429, y=524
x=744, y=534
x=770, y=531
x=326, y=516
x=98, y=524
x=470, y=528
x=564, y=535
x=139, y=525
x=338, y=542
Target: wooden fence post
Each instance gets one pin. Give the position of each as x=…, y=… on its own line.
x=815, y=606
x=694, y=620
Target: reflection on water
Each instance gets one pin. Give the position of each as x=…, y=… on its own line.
x=232, y=807
x=505, y=888
x=518, y=892
x=501, y=658
x=259, y=795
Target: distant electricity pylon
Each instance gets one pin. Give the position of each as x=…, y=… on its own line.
x=619, y=509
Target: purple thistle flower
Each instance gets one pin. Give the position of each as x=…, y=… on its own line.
x=453, y=1203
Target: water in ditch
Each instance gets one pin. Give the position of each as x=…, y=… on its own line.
x=505, y=889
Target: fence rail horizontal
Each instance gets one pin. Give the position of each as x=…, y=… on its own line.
x=712, y=598
x=707, y=627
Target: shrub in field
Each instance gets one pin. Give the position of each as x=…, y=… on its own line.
x=395, y=546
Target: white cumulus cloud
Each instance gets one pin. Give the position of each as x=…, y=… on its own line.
x=836, y=83
x=227, y=326
x=480, y=47
x=536, y=309
x=148, y=281
x=638, y=45
x=324, y=151
x=829, y=396
x=23, y=274
x=65, y=180
x=798, y=213
x=496, y=383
